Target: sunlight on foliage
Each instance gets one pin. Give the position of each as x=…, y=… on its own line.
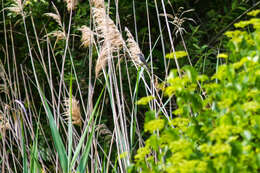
x=145, y=100
x=219, y=131
x=177, y=54
x=153, y=125
x=222, y=55
x=254, y=13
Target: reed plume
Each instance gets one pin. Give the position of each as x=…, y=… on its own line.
x=71, y=4
x=17, y=7
x=74, y=110
x=60, y=35
x=107, y=28
x=112, y=38
x=102, y=59
x=98, y=3
x=4, y=123
x=55, y=16
x=87, y=36
x=134, y=48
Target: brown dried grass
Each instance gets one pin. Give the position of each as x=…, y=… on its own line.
x=106, y=28
x=103, y=57
x=16, y=7
x=55, y=16
x=60, y=35
x=133, y=47
x=112, y=38
x=4, y=123
x=71, y=4
x=75, y=110
x=87, y=37
x=98, y=3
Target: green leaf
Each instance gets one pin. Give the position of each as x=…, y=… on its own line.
x=177, y=54
x=254, y=12
x=34, y=164
x=153, y=125
x=25, y=168
x=57, y=139
x=247, y=134
x=145, y=100
x=222, y=55
x=149, y=115
x=82, y=139
x=84, y=158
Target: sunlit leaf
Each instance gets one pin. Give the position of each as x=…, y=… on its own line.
x=222, y=55
x=177, y=54
x=145, y=100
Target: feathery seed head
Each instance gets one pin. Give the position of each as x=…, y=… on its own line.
x=60, y=35
x=71, y=4
x=102, y=58
x=107, y=28
x=16, y=7
x=87, y=36
x=4, y=123
x=55, y=17
x=98, y=3
x=74, y=110
x=134, y=49
x=104, y=132
x=112, y=38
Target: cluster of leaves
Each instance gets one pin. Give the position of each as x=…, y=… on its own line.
x=215, y=127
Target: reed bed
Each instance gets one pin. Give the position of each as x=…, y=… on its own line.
x=59, y=126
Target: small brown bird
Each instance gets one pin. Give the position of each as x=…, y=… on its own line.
x=142, y=59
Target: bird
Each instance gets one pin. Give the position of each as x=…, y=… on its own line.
x=142, y=60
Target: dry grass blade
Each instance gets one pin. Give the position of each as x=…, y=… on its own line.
x=16, y=7
x=54, y=16
x=87, y=37
x=71, y=4
x=75, y=110
x=103, y=130
x=60, y=35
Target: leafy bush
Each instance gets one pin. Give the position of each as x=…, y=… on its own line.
x=216, y=125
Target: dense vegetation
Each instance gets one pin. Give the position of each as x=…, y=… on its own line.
x=129, y=86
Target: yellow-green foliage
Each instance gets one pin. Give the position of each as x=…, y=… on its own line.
x=176, y=54
x=145, y=100
x=217, y=131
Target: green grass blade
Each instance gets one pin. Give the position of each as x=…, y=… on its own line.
x=81, y=141
x=57, y=139
x=84, y=158
x=34, y=164
x=25, y=168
